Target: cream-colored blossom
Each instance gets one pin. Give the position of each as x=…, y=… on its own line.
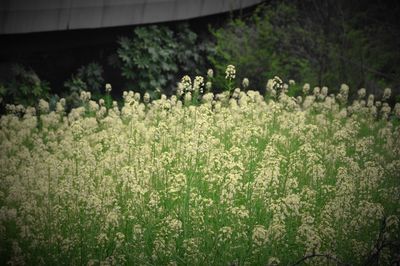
x=210, y=73
x=146, y=97
x=362, y=93
x=233, y=179
x=108, y=87
x=230, y=72
x=245, y=83
x=43, y=106
x=198, y=84
x=306, y=88
x=387, y=92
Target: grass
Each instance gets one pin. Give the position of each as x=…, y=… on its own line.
x=243, y=181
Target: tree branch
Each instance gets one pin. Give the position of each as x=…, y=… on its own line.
x=327, y=256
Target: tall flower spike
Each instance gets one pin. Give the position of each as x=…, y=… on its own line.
x=396, y=110
x=146, y=97
x=361, y=93
x=245, y=83
x=44, y=106
x=108, y=88
x=324, y=91
x=277, y=83
x=210, y=73
x=306, y=88
x=316, y=91
x=198, y=84
x=386, y=94
x=230, y=72
x=208, y=85
x=186, y=83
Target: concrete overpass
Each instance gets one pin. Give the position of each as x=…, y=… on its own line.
x=29, y=16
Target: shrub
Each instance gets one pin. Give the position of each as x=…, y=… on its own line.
x=304, y=42
x=260, y=47
x=75, y=84
x=151, y=58
x=87, y=78
x=24, y=87
x=92, y=75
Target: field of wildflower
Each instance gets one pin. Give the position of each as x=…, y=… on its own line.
x=235, y=178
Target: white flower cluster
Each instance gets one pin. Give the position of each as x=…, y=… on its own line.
x=184, y=86
x=108, y=87
x=362, y=93
x=186, y=83
x=245, y=83
x=43, y=106
x=198, y=84
x=343, y=96
x=85, y=96
x=230, y=72
x=210, y=73
x=387, y=92
x=146, y=97
x=233, y=179
x=274, y=85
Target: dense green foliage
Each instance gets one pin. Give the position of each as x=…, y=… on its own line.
x=151, y=58
x=259, y=47
x=92, y=75
x=322, y=42
x=24, y=87
x=88, y=78
x=325, y=43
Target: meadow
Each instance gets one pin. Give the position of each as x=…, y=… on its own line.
x=235, y=178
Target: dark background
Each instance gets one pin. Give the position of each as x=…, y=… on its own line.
x=54, y=56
